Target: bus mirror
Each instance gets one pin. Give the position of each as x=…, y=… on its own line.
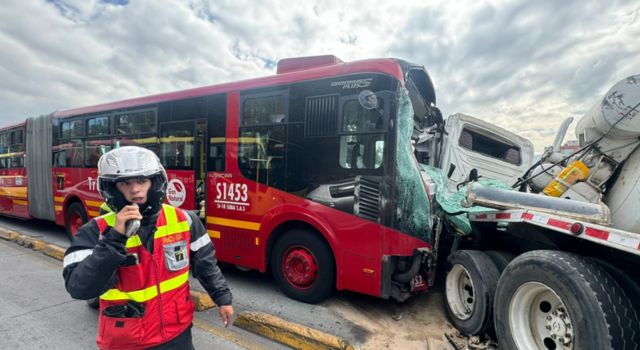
x=368, y=100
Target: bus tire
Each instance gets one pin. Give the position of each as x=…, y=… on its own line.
x=555, y=300
x=303, y=266
x=469, y=291
x=75, y=217
x=500, y=258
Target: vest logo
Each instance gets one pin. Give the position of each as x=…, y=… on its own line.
x=176, y=192
x=172, y=238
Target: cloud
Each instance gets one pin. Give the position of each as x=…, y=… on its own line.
x=525, y=65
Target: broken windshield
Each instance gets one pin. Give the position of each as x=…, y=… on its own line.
x=412, y=215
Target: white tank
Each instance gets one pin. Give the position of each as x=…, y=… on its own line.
x=619, y=100
x=623, y=198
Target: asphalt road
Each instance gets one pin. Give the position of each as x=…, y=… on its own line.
x=23, y=305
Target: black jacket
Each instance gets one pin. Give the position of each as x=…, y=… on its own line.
x=90, y=263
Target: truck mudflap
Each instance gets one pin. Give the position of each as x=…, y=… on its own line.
x=607, y=236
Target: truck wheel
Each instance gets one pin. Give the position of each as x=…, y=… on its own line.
x=75, y=218
x=469, y=289
x=500, y=258
x=303, y=266
x=554, y=300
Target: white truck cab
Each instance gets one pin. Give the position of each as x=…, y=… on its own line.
x=472, y=143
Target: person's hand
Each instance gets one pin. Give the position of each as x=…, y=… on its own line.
x=129, y=212
x=226, y=314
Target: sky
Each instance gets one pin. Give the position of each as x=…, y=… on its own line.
x=525, y=65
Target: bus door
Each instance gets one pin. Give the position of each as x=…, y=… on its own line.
x=182, y=152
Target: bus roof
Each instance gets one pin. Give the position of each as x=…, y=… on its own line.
x=294, y=70
x=17, y=125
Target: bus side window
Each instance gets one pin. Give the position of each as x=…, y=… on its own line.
x=69, y=154
x=176, y=145
x=60, y=159
x=94, y=150
x=361, y=143
x=261, y=155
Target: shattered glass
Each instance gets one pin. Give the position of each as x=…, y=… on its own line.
x=412, y=206
x=450, y=201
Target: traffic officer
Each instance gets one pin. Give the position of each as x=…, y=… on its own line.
x=141, y=275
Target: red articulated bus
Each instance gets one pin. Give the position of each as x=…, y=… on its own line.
x=13, y=190
x=309, y=173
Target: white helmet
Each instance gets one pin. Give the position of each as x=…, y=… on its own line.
x=131, y=162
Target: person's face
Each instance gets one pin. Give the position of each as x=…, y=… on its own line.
x=134, y=190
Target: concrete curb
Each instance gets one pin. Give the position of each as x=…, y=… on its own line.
x=289, y=333
x=201, y=300
x=54, y=251
x=30, y=242
x=8, y=235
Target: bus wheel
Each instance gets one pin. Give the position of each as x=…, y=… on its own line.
x=75, y=218
x=469, y=289
x=303, y=266
x=554, y=300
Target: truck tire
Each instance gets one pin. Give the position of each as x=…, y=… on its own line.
x=75, y=217
x=500, y=258
x=554, y=300
x=303, y=266
x=469, y=291
x=632, y=291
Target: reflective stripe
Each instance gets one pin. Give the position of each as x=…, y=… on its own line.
x=76, y=256
x=147, y=293
x=200, y=242
x=170, y=229
x=110, y=218
x=133, y=241
x=170, y=214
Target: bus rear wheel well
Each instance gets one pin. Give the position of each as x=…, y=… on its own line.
x=285, y=227
x=75, y=215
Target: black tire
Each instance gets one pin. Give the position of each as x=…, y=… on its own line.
x=94, y=303
x=75, y=210
x=631, y=290
x=578, y=301
x=500, y=258
x=290, y=246
x=469, y=291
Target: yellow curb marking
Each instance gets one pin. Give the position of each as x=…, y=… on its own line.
x=201, y=300
x=8, y=235
x=30, y=242
x=54, y=251
x=289, y=333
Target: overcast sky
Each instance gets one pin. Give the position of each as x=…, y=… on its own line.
x=523, y=64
